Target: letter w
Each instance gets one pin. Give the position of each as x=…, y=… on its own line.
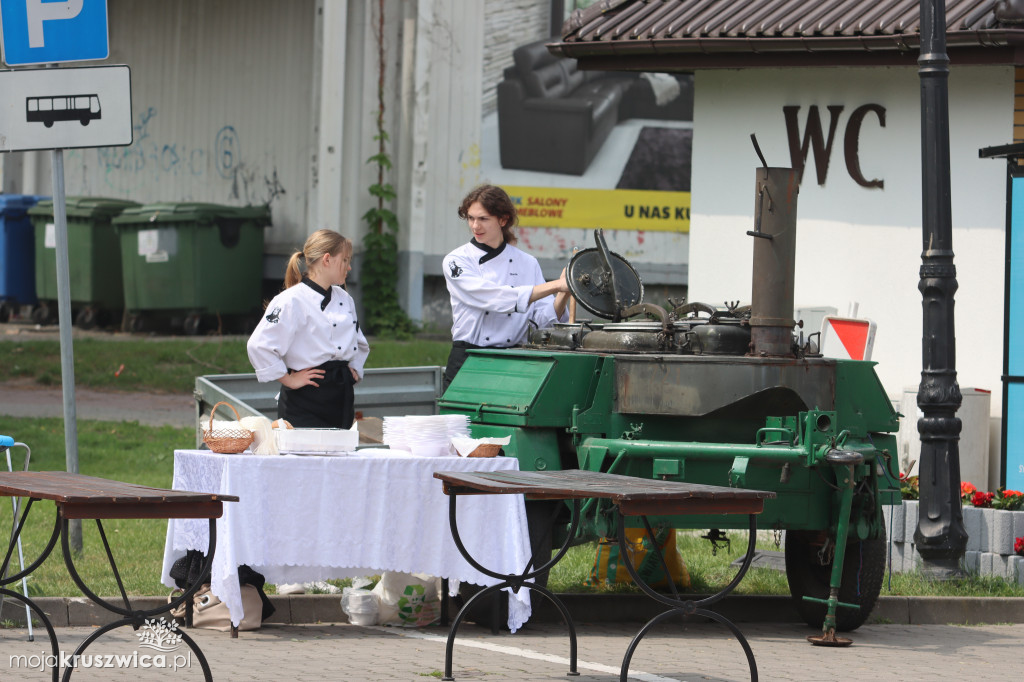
x=812, y=139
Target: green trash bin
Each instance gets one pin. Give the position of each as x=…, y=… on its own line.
x=192, y=261
x=94, y=260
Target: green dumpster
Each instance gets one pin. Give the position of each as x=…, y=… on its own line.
x=193, y=262
x=94, y=259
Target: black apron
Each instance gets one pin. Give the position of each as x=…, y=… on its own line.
x=331, y=405
x=456, y=358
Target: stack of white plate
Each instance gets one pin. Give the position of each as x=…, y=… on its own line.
x=427, y=436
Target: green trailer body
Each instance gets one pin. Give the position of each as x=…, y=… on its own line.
x=759, y=423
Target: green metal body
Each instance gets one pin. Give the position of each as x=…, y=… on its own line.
x=760, y=423
x=94, y=263
x=192, y=257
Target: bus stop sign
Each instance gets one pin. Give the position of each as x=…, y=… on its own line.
x=73, y=107
x=48, y=31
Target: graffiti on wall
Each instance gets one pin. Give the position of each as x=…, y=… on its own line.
x=214, y=171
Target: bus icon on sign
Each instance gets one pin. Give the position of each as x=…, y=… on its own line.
x=47, y=110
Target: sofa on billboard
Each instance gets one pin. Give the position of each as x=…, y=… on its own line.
x=553, y=118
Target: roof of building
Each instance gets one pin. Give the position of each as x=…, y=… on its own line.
x=692, y=34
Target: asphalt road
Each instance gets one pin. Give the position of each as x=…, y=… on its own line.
x=23, y=398
x=26, y=399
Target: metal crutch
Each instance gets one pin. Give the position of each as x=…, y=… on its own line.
x=6, y=442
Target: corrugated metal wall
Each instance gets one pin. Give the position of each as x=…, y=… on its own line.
x=222, y=97
x=446, y=124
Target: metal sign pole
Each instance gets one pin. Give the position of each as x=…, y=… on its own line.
x=67, y=356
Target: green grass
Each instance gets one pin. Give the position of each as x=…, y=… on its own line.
x=172, y=365
x=709, y=571
x=124, y=451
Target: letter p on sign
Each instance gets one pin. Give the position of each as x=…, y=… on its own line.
x=38, y=11
x=47, y=32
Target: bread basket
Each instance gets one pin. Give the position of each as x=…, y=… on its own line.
x=227, y=441
x=486, y=450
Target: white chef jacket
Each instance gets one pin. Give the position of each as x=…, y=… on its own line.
x=490, y=293
x=296, y=332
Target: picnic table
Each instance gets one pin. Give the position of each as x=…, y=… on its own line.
x=85, y=497
x=631, y=496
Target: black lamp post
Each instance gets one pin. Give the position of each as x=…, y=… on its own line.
x=940, y=537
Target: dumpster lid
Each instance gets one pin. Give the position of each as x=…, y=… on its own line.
x=11, y=203
x=177, y=212
x=85, y=207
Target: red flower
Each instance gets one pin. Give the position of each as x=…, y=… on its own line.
x=903, y=476
x=1011, y=493
x=980, y=499
x=1018, y=546
x=967, y=488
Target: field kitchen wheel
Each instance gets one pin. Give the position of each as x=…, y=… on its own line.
x=863, y=570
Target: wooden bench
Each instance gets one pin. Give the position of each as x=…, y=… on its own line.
x=86, y=497
x=631, y=496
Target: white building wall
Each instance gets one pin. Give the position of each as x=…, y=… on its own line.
x=853, y=243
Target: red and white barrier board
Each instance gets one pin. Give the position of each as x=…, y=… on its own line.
x=847, y=338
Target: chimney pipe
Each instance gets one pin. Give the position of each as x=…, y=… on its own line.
x=771, y=299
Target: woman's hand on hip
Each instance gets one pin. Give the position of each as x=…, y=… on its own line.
x=302, y=377
x=355, y=375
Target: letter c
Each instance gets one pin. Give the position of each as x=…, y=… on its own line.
x=851, y=144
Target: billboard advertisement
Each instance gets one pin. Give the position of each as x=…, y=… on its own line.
x=578, y=150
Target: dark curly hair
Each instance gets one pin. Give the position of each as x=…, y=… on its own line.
x=497, y=202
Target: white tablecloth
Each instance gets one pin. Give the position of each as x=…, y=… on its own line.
x=308, y=518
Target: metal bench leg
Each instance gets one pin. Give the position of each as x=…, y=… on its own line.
x=515, y=582
x=679, y=606
x=21, y=554
x=134, y=618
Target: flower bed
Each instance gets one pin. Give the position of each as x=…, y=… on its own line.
x=994, y=523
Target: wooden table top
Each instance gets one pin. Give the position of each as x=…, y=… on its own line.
x=81, y=496
x=634, y=496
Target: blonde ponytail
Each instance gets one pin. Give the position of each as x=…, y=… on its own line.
x=292, y=273
x=319, y=244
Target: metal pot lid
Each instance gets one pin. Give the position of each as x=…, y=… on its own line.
x=602, y=281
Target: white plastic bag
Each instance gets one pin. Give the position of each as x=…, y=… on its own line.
x=408, y=599
x=359, y=604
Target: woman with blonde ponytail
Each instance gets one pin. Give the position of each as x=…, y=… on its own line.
x=309, y=339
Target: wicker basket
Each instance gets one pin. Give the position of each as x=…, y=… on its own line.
x=227, y=441
x=486, y=450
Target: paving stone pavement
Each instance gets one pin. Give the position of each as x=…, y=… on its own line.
x=344, y=652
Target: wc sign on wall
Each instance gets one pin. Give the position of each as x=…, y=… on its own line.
x=41, y=32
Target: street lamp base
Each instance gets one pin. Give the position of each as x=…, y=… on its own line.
x=942, y=569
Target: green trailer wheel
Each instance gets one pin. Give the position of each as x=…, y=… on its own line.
x=808, y=575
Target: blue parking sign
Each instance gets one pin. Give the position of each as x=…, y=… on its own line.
x=51, y=31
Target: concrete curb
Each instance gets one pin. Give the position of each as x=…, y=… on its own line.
x=585, y=608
